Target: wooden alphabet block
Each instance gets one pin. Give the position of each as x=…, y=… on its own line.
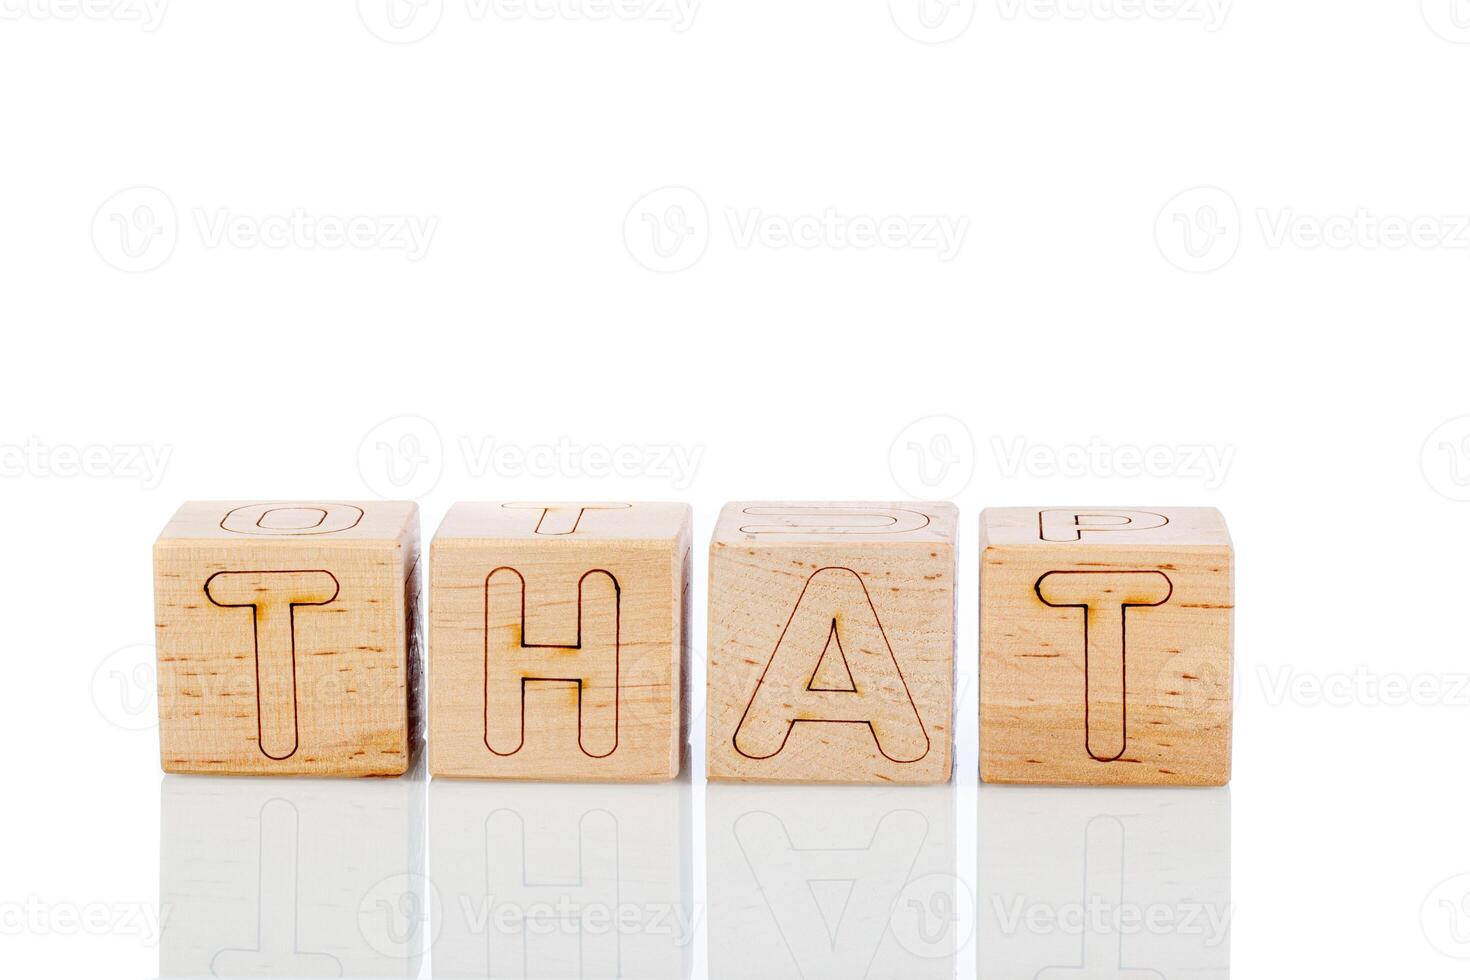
x=288, y=638
x=558, y=641
x=831, y=642
x=1105, y=645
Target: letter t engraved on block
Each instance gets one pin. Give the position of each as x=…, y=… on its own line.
x=591, y=661
x=272, y=598
x=1105, y=598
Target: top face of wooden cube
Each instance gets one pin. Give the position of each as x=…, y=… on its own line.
x=578, y=523
x=239, y=521
x=1147, y=528
x=804, y=523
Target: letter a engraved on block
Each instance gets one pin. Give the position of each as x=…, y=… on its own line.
x=1105, y=598
x=591, y=661
x=833, y=624
x=272, y=598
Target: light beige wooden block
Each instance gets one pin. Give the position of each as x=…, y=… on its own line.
x=558, y=641
x=288, y=638
x=831, y=642
x=1105, y=645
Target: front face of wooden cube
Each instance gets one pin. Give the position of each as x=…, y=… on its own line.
x=1105, y=646
x=558, y=635
x=288, y=638
x=831, y=643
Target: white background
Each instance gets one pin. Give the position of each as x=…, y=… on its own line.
x=1210, y=231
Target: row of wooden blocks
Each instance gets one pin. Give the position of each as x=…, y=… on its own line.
x=558, y=642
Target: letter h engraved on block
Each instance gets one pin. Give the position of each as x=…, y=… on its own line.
x=591, y=661
x=272, y=598
x=1105, y=598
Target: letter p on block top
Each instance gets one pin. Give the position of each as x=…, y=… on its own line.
x=288, y=638
x=831, y=642
x=1105, y=645
x=558, y=641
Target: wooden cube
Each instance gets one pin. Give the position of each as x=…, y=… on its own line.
x=1105, y=645
x=831, y=642
x=288, y=638
x=558, y=639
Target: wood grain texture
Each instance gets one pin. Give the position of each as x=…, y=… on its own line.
x=831, y=643
x=558, y=641
x=1105, y=646
x=288, y=638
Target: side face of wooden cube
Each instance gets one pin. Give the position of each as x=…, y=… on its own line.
x=1105, y=646
x=288, y=638
x=558, y=641
x=831, y=643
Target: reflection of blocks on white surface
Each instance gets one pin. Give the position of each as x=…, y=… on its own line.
x=559, y=880
x=1111, y=883
x=293, y=877
x=842, y=881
